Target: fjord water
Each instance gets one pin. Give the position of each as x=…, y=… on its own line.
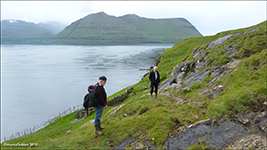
x=40, y=81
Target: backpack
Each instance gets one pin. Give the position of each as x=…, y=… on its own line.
x=91, y=98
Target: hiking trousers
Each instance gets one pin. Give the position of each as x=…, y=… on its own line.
x=152, y=87
x=98, y=114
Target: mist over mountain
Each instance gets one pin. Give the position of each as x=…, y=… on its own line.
x=103, y=29
x=22, y=32
x=53, y=26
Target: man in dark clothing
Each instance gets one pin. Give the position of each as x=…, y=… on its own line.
x=155, y=81
x=102, y=97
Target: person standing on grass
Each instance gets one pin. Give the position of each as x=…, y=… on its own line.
x=154, y=77
x=102, y=97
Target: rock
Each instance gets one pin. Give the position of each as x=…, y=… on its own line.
x=114, y=110
x=166, y=93
x=179, y=78
x=255, y=142
x=206, y=92
x=186, y=89
x=68, y=132
x=216, y=137
x=219, y=41
x=178, y=101
x=242, y=120
x=127, y=141
x=76, y=120
x=260, y=117
x=214, y=92
x=216, y=72
x=175, y=70
x=82, y=113
x=88, y=123
x=250, y=115
x=140, y=146
x=232, y=64
x=199, y=75
x=263, y=126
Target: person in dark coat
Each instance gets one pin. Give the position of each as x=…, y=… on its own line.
x=154, y=77
x=102, y=97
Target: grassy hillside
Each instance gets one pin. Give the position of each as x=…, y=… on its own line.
x=153, y=120
x=21, y=32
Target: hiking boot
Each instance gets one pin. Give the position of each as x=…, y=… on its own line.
x=156, y=95
x=97, y=130
x=151, y=96
x=101, y=127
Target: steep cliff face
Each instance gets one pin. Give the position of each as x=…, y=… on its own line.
x=101, y=28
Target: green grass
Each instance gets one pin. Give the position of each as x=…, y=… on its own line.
x=152, y=119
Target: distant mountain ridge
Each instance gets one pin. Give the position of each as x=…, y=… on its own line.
x=22, y=32
x=166, y=30
x=100, y=28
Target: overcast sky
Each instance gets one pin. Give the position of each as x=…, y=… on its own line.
x=209, y=17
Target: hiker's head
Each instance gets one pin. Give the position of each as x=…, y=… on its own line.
x=155, y=69
x=102, y=80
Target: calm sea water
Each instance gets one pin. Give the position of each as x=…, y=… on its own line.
x=40, y=81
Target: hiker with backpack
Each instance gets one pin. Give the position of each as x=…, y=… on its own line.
x=154, y=77
x=102, y=98
x=96, y=97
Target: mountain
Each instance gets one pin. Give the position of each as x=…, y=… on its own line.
x=102, y=29
x=165, y=30
x=212, y=96
x=21, y=32
x=52, y=26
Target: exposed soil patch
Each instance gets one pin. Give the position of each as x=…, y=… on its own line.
x=177, y=122
x=142, y=111
x=247, y=53
x=259, y=105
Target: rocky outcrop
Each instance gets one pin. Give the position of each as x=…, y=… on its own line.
x=222, y=134
x=119, y=99
x=243, y=131
x=187, y=73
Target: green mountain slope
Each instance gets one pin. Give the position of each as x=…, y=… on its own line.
x=101, y=28
x=165, y=30
x=21, y=32
x=232, y=67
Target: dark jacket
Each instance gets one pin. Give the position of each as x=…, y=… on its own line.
x=102, y=95
x=152, y=77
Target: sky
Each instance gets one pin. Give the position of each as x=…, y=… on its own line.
x=209, y=17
